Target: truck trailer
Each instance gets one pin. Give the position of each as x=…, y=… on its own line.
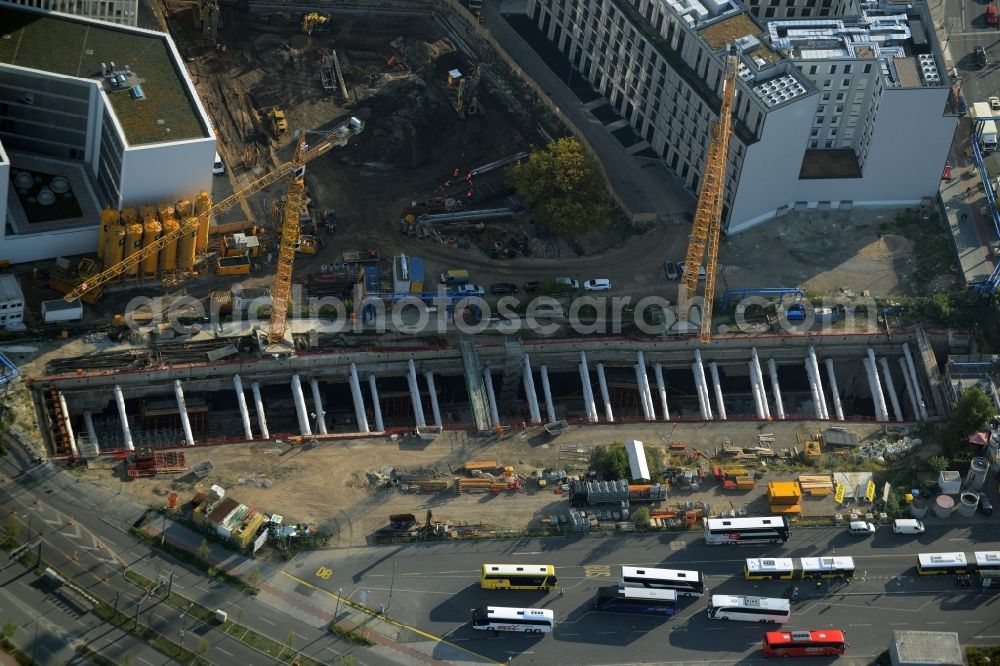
x=984, y=130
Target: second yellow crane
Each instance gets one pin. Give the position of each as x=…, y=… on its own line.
x=295, y=170
x=708, y=213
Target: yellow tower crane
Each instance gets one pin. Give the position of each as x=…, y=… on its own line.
x=708, y=212
x=294, y=170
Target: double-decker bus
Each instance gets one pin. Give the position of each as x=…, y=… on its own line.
x=770, y=529
x=827, y=567
x=769, y=568
x=686, y=583
x=821, y=643
x=929, y=564
x=749, y=609
x=518, y=577
x=524, y=620
x=646, y=601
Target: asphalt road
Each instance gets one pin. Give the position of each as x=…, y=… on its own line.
x=965, y=28
x=434, y=586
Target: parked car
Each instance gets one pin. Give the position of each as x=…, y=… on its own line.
x=861, y=527
x=470, y=290
x=670, y=268
x=531, y=287
x=218, y=167
x=994, y=101
x=701, y=270
x=600, y=284
x=567, y=282
x=985, y=505
x=502, y=288
x=982, y=59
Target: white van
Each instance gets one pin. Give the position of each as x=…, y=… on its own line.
x=861, y=528
x=218, y=167
x=907, y=526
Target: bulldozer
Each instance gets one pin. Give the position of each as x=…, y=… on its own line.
x=279, y=124
x=313, y=21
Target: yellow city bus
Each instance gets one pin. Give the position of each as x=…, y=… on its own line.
x=518, y=577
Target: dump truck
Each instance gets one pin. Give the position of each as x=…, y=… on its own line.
x=279, y=124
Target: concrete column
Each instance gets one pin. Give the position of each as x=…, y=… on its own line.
x=642, y=395
x=550, y=410
x=88, y=421
x=182, y=410
x=779, y=404
x=758, y=400
x=529, y=391
x=241, y=401
x=915, y=378
x=359, y=401
x=376, y=406
x=819, y=382
x=647, y=394
x=759, y=374
x=661, y=387
x=418, y=406
x=318, y=406
x=720, y=406
x=258, y=403
x=890, y=386
x=300, y=407
x=491, y=395
x=702, y=384
x=879, y=396
x=811, y=374
x=602, y=380
x=123, y=415
x=69, y=426
x=909, y=388
x=838, y=408
x=588, y=389
x=435, y=409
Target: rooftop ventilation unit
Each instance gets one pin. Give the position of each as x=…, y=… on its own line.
x=137, y=92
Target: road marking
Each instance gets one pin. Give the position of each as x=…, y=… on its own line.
x=225, y=652
x=597, y=571
x=145, y=661
x=528, y=552
x=389, y=620
x=972, y=621
x=934, y=623
x=264, y=619
x=324, y=573
x=859, y=625
x=985, y=636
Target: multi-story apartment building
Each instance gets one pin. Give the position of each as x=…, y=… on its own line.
x=91, y=115
x=831, y=111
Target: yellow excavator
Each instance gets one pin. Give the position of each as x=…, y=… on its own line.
x=313, y=21
x=293, y=171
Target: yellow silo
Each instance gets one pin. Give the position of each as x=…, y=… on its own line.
x=202, y=242
x=109, y=217
x=168, y=255
x=202, y=202
x=186, y=246
x=146, y=213
x=183, y=209
x=133, y=243
x=130, y=216
x=114, y=244
x=150, y=232
x=166, y=211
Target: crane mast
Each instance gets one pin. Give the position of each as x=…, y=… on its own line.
x=708, y=213
x=294, y=170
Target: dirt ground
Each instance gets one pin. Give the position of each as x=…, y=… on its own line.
x=329, y=485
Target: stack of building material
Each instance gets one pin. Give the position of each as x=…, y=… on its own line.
x=418, y=485
x=647, y=493
x=479, y=485
x=816, y=485
x=147, y=462
x=600, y=492
x=784, y=497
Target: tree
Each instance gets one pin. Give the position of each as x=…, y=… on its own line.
x=8, y=630
x=203, y=550
x=641, y=516
x=937, y=463
x=612, y=461
x=126, y=659
x=202, y=648
x=939, y=308
x=972, y=411
x=12, y=529
x=253, y=579
x=564, y=187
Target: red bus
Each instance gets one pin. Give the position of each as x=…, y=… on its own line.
x=825, y=642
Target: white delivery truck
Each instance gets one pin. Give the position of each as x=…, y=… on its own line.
x=985, y=130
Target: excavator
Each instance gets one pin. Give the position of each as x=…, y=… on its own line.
x=313, y=21
x=294, y=171
x=708, y=212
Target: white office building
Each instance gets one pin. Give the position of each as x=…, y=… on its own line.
x=838, y=104
x=91, y=115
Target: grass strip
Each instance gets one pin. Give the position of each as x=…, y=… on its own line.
x=351, y=636
x=192, y=559
x=155, y=640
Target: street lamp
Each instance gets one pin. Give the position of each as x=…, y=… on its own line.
x=336, y=613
